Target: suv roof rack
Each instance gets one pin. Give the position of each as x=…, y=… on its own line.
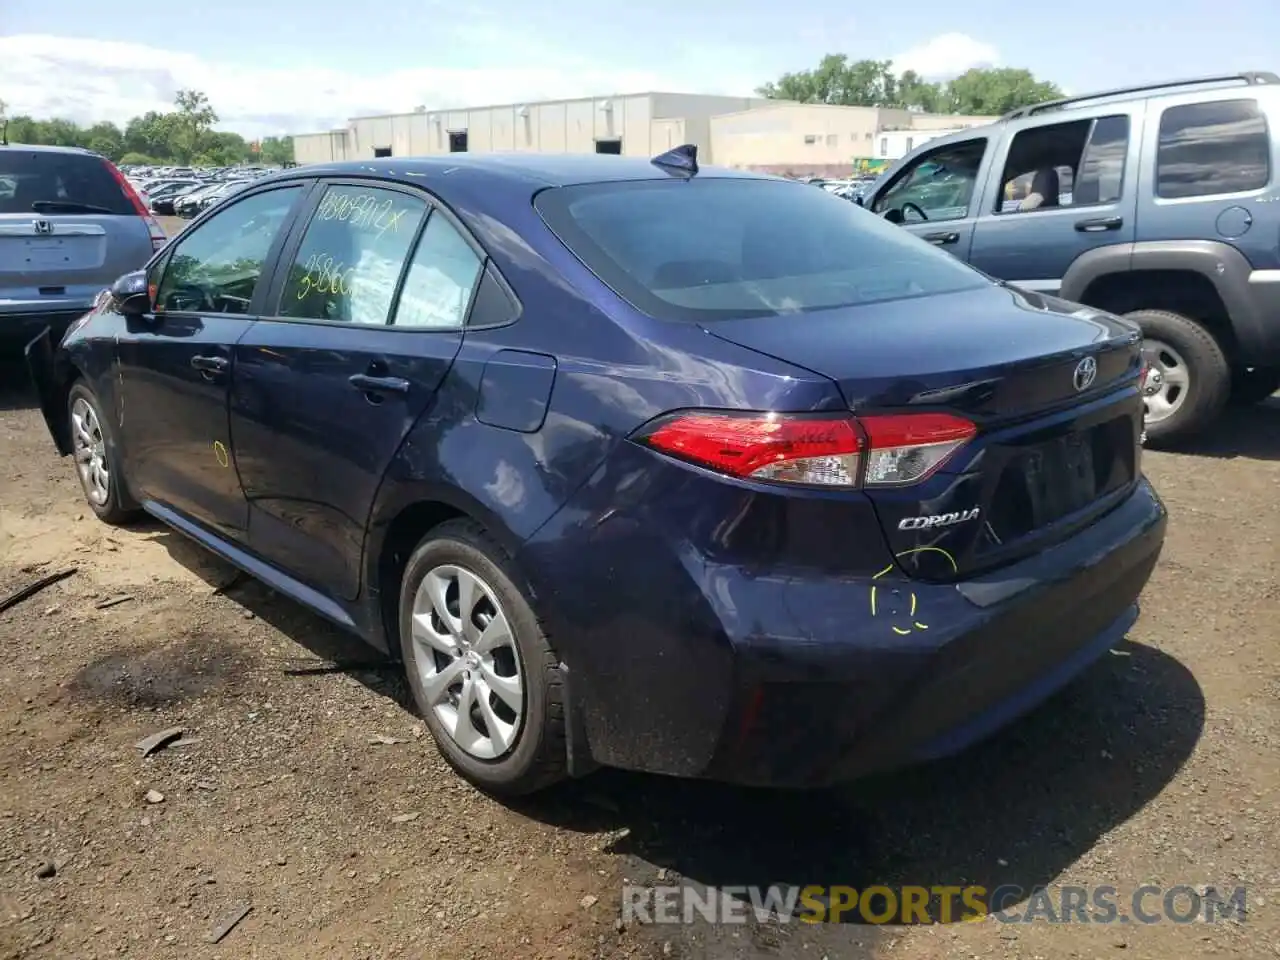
x=1250, y=77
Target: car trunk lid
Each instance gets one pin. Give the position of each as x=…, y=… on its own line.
x=1052, y=388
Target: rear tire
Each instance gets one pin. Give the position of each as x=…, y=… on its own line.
x=1249, y=386
x=1190, y=379
x=495, y=659
x=97, y=458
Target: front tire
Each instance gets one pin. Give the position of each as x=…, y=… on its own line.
x=1188, y=381
x=482, y=672
x=97, y=458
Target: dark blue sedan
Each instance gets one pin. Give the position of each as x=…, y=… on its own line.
x=631, y=463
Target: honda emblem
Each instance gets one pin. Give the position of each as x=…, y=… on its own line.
x=44, y=226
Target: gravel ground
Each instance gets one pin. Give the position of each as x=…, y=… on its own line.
x=306, y=789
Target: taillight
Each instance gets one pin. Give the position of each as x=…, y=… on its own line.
x=810, y=449
x=154, y=230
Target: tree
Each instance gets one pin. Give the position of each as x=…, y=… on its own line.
x=873, y=83
x=195, y=118
x=184, y=135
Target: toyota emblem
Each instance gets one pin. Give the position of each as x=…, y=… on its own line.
x=1086, y=373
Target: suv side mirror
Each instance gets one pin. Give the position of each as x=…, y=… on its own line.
x=130, y=294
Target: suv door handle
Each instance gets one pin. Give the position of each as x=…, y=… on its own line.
x=942, y=238
x=367, y=383
x=208, y=365
x=1099, y=224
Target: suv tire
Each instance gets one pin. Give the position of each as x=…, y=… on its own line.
x=446, y=661
x=98, y=464
x=1208, y=376
x=1249, y=386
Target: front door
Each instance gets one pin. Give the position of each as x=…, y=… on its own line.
x=176, y=362
x=937, y=193
x=1065, y=189
x=327, y=388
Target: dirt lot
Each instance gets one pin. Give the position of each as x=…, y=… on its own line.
x=306, y=788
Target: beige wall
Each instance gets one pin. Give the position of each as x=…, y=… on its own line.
x=810, y=138
x=320, y=147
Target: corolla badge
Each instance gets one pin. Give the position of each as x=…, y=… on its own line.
x=938, y=520
x=1086, y=372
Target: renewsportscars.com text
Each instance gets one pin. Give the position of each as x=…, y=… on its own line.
x=905, y=905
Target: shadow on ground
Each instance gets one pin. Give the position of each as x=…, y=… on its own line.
x=16, y=391
x=1252, y=432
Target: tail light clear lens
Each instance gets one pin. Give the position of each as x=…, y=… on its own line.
x=812, y=450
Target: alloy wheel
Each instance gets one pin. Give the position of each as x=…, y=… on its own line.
x=467, y=661
x=1168, y=378
x=90, y=452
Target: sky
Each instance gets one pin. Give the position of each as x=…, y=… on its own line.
x=295, y=66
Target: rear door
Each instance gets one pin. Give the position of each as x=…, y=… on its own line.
x=1214, y=171
x=67, y=229
x=1094, y=158
x=937, y=193
x=175, y=365
x=329, y=384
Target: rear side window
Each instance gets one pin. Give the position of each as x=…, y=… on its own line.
x=1221, y=146
x=49, y=183
x=441, y=278
x=712, y=249
x=349, y=263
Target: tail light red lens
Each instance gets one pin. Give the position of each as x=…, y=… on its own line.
x=812, y=450
x=154, y=230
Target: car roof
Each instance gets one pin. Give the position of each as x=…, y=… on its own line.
x=45, y=148
x=536, y=169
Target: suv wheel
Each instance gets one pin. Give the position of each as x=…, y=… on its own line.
x=484, y=677
x=1188, y=380
x=1254, y=384
x=97, y=458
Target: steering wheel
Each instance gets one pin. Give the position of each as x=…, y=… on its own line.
x=188, y=296
x=916, y=208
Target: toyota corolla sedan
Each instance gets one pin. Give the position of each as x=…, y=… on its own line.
x=630, y=462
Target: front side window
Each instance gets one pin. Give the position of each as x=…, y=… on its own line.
x=216, y=266
x=711, y=249
x=938, y=186
x=1072, y=164
x=441, y=278
x=351, y=255
x=1217, y=147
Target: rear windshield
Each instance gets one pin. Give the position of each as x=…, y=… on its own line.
x=711, y=249
x=29, y=177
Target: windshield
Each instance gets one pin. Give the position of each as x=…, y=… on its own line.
x=712, y=249
x=39, y=181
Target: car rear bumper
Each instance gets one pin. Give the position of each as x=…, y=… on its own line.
x=795, y=682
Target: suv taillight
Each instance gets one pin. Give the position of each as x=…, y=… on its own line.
x=156, y=232
x=814, y=450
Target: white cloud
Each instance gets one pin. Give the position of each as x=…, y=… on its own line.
x=88, y=81
x=947, y=55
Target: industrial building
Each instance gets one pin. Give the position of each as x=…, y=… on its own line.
x=743, y=132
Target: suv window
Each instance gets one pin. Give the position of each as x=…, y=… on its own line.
x=215, y=267
x=349, y=263
x=939, y=183
x=1220, y=146
x=1073, y=164
x=50, y=182
x=441, y=278
x=718, y=248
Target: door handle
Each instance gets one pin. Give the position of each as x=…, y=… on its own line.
x=942, y=238
x=368, y=383
x=1099, y=224
x=208, y=365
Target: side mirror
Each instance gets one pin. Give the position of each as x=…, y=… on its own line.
x=130, y=294
x=857, y=198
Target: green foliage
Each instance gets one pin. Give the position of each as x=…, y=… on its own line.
x=184, y=135
x=872, y=83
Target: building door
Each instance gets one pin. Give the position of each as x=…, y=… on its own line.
x=609, y=146
x=382, y=151
x=457, y=141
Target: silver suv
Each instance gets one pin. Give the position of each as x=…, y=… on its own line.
x=70, y=224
